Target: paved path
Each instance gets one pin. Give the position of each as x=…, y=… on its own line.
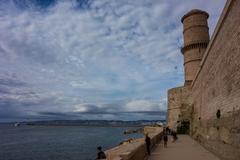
x=185, y=148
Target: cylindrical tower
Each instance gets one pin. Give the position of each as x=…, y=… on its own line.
x=196, y=38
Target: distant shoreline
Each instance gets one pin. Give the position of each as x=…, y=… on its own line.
x=86, y=123
x=80, y=126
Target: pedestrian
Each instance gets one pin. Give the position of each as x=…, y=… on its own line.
x=174, y=131
x=174, y=134
x=101, y=154
x=168, y=130
x=148, y=144
x=165, y=139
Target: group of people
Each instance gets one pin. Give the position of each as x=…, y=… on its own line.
x=166, y=131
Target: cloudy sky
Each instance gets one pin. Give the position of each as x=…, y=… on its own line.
x=92, y=59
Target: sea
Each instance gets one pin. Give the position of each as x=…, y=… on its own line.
x=58, y=142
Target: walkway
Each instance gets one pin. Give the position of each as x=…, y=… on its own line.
x=185, y=148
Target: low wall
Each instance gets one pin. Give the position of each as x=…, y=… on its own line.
x=135, y=150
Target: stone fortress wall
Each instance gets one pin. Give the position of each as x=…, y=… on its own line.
x=179, y=101
x=210, y=97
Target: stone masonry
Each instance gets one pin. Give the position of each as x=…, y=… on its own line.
x=196, y=38
x=210, y=97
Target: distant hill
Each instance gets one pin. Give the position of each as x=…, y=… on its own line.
x=102, y=123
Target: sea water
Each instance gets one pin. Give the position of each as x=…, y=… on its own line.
x=58, y=142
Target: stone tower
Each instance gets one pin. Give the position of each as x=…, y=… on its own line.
x=196, y=38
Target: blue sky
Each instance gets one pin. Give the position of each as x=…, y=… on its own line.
x=92, y=59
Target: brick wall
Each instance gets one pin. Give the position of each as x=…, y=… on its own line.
x=217, y=87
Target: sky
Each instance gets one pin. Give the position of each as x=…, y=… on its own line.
x=92, y=59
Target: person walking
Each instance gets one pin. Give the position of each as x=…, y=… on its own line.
x=101, y=154
x=168, y=130
x=174, y=135
x=165, y=139
x=148, y=144
x=174, y=131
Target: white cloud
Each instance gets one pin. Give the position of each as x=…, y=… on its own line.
x=81, y=108
x=144, y=105
x=112, y=51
